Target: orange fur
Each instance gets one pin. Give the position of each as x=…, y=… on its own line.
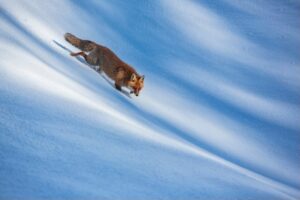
x=98, y=55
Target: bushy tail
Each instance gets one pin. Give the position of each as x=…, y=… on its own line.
x=83, y=45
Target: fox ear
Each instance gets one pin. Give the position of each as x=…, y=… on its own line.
x=133, y=77
x=142, y=78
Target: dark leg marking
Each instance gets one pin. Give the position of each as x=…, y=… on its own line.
x=118, y=87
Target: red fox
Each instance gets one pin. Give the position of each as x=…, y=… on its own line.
x=110, y=63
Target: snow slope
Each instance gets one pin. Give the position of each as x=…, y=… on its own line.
x=219, y=117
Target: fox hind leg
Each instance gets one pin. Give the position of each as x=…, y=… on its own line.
x=90, y=59
x=81, y=53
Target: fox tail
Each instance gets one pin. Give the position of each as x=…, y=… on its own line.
x=83, y=45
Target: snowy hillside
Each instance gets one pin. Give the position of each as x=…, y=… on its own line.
x=218, y=118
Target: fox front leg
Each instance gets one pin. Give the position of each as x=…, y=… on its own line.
x=119, y=78
x=118, y=84
x=118, y=87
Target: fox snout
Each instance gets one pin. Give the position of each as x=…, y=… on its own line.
x=136, y=83
x=133, y=92
x=136, y=92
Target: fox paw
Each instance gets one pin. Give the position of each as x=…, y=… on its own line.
x=118, y=87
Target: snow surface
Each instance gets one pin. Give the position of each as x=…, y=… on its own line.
x=219, y=117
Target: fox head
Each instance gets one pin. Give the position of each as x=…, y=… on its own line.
x=136, y=83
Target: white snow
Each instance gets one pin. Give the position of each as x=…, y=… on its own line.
x=193, y=133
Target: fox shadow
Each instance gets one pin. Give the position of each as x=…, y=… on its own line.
x=80, y=59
